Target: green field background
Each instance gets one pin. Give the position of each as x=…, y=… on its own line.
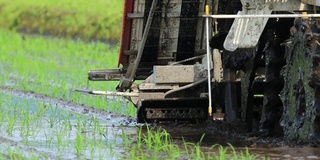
x=88, y=20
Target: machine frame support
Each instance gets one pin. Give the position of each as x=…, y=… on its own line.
x=127, y=80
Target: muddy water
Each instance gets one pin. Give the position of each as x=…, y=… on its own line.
x=215, y=133
x=49, y=128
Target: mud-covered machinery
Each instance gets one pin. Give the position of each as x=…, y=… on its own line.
x=263, y=63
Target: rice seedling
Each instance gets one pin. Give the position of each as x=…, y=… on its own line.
x=33, y=156
x=41, y=109
x=11, y=122
x=79, y=122
x=125, y=139
x=34, y=135
x=13, y=112
x=100, y=153
x=15, y=154
x=96, y=126
x=154, y=141
x=49, y=139
x=139, y=138
x=10, y=153
x=1, y=117
x=193, y=150
x=246, y=155
x=199, y=153
x=68, y=122
x=51, y=121
x=84, y=126
x=25, y=126
x=79, y=146
x=26, y=118
x=92, y=152
x=104, y=131
x=59, y=140
x=146, y=147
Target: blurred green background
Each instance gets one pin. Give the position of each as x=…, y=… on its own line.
x=87, y=20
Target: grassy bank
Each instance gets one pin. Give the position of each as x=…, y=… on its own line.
x=99, y=20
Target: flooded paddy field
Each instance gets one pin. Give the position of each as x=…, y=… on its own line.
x=41, y=117
x=49, y=128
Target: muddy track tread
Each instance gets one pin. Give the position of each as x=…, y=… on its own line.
x=192, y=110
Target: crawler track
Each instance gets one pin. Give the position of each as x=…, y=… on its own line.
x=192, y=110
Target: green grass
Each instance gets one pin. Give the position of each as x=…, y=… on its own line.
x=99, y=19
x=56, y=67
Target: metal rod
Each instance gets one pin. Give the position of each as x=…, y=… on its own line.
x=123, y=94
x=226, y=16
x=185, y=87
x=186, y=60
x=108, y=93
x=208, y=62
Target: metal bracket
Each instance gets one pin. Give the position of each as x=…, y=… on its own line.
x=246, y=32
